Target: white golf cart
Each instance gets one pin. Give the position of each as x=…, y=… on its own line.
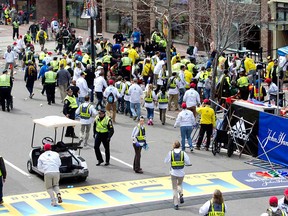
x=72, y=164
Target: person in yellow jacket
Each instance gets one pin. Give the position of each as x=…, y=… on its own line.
x=250, y=68
x=63, y=60
x=7, y=15
x=133, y=54
x=41, y=37
x=175, y=59
x=207, y=122
x=188, y=78
x=269, y=67
x=147, y=71
x=243, y=85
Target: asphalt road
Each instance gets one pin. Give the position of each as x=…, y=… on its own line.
x=16, y=131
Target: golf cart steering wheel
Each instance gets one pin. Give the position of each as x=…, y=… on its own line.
x=47, y=140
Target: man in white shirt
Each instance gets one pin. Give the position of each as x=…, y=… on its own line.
x=182, y=84
x=54, y=26
x=186, y=120
x=81, y=83
x=49, y=163
x=10, y=57
x=135, y=93
x=192, y=99
x=158, y=68
x=87, y=112
x=177, y=171
x=98, y=71
x=100, y=85
x=272, y=90
x=111, y=94
x=77, y=70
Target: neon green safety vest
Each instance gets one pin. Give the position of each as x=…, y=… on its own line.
x=85, y=59
x=126, y=61
x=27, y=57
x=28, y=37
x=256, y=93
x=102, y=126
x=216, y=213
x=190, y=67
x=178, y=162
x=119, y=87
x=148, y=98
x=141, y=135
x=243, y=81
x=107, y=59
x=4, y=80
x=127, y=89
x=54, y=64
x=72, y=100
x=172, y=83
x=42, y=55
x=50, y=77
x=84, y=111
x=15, y=24
x=163, y=98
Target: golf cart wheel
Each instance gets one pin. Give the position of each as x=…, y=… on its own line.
x=29, y=166
x=82, y=178
x=214, y=147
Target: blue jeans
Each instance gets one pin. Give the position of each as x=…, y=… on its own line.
x=186, y=133
x=181, y=95
x=91, y=93
x=1, y=188
x=150, y=113
x=127, y=108
x=135, y=109
x=207, y=93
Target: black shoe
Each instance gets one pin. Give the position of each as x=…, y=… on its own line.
x=191, y=149
x=75, y=137
x=99, y=163
x=181, y=199
x=139, y=171
x=67, y=135
x=59, y=198
x=49, y=103
x=107, y=164
x=176, y=207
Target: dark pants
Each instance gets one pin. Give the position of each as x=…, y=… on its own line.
x=59, y=47
x=30, y=86
x=15, y=32
x=162, y=115
x=70, y=129
x=43, y=87
x=181, y=95
x=127, y=108
x=120, y=104
x=91, y=93
x=106, y=68
x=244, y=92
x=5, y=95
x=102, y=137
x=50, y=92
x=208, y=128
x=99, y=96
x=125, y=72
x=137, y=157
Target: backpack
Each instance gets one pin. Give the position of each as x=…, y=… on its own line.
x=190, y=50
x=277, y=213
x=110, y=98
x=41, y=34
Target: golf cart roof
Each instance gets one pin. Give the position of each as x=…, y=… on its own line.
x=56, y=121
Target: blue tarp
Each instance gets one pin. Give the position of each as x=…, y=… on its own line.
x=283, y=51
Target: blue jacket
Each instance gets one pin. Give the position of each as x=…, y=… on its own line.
x=43, y=69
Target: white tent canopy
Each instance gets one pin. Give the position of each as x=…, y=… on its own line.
x=56, y=121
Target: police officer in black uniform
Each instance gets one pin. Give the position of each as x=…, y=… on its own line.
x=5, y=90
x=103, y=130
x=69, y=109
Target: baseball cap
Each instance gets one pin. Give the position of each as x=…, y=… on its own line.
x=192, y=85
x=49, y=53
x=110, y=82
x=268, y=80
x=47, y=147
x=206, y=101
x=99, y=67
x=83, y=73
x=184, y=106
x=286, y=192
x=273, y=201
x=14, y=43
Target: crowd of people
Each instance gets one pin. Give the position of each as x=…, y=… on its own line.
x=131, y=73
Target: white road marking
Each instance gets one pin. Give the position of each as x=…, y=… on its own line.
x=16, y=168
x=118, y=160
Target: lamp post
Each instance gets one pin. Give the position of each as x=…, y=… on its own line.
x=90, y=13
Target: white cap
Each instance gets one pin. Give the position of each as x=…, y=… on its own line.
x=99, y=67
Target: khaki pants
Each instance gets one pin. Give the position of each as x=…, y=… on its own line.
x=193, y=109
x=174, y=99
x=112, y=107
x=62, y=89
x=51, y=181
x=177, y=188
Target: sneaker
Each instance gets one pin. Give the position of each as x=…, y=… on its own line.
x=176, y=207
x=53, y=203
x=151, y=122
x=181, y=199
x=59, y=198
x=191, y=149
x=198, y=148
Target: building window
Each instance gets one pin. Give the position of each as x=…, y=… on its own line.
x=74, y=10
x=118, y=21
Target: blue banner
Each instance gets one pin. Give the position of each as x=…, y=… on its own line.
x=273, y=139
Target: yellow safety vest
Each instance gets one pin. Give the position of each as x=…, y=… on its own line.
x=27, y=57
x=190, y=67
x=216, y=213
x=256, y=94
x=178, y=162
x=72, y=100
x=107, y=59
x=172, y=83
x=126, y=61
x=119, y=87
x=42, y=56
x=5, y=80
x=54, y=64
x=127, y=89
x=148, y=99
x=84, y=111
x=141, y=134
x=85, y=59
x=102, y=126
x=243, y=81
x=15, y=24
x=163, y=99
x=50, y=77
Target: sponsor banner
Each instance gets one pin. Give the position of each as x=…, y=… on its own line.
x=273, y=139
x=132, y=192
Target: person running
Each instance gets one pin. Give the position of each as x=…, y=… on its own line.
x=150, y=98
x=30, y=77
x=274, y=209
x=178, y=160
x=215, y=206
